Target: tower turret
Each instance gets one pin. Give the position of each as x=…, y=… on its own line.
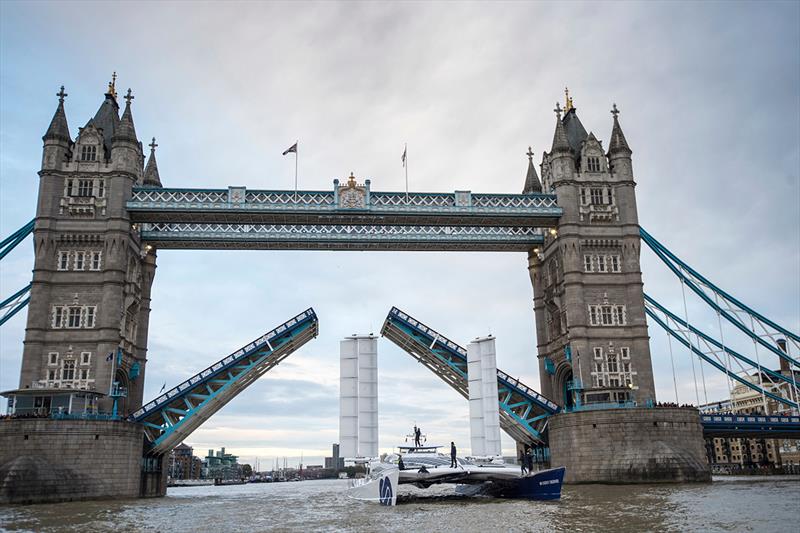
x=126, y=151
x=57, y=140
x=532, y=183
x=151, y=177
x=619, y=153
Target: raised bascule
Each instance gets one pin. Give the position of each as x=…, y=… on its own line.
x=102, y=214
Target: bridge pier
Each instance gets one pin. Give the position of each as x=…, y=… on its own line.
x=44, y=461
x=634, y=445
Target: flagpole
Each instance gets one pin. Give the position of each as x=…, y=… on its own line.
x=296, y=150
x=405, y=151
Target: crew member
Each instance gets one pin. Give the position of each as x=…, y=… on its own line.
x=453, y=463
x=417, y=436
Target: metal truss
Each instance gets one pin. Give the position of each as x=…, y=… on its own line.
x=523, y=411
x=320, y=207
x=14, y=303
x=350, y=236
x=174, y=415
x=761, y=330
x=771, y=384
x=17, y=301
x=769, y=427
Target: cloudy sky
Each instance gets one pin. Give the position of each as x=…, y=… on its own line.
x=710, y=101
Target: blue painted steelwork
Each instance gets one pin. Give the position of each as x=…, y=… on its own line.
x=146, y=200
x=14, y=303
x=174, y=415
x=734, y=308
x=713, y=342
x=523, y=411
x=770, y=427
x=651, y=312
x=10, y=242
x=17, y=301
x=342, y=237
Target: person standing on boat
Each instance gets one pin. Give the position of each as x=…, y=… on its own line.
x=523, y=461
x=417, y=436
x=453, y=463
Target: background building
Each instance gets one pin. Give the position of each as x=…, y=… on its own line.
x=335, y=463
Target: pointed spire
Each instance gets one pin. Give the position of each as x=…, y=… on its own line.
x=125, y=129
x=59, y=129
x=618, y=143
x=560, y=142
x=151, y=177
x=532, y=183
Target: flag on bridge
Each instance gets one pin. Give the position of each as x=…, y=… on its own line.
x=291, y=149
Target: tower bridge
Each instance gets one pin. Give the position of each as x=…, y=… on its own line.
x=102, y=214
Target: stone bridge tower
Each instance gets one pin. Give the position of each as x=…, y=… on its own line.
x=593, y=345
x=90, y=299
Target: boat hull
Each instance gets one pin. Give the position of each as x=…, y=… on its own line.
x=542, y=485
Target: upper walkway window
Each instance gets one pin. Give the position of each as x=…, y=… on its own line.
x=88, y=153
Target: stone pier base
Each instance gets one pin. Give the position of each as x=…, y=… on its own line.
x=44, y=460
x=660, y=445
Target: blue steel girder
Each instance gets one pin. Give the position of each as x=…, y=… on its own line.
x=768, y=427
x=14, y=304
x=238, y=218
x=448, y=360
x=174, y=415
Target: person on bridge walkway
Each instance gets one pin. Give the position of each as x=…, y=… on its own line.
x=453, y=462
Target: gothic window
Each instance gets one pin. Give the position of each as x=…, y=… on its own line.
x=614, y=262
x=101, y=188
x=52, y=358
x=598, y=352
x=63, y=260
x=88, y=153
x=619, y=315
x=80, y=260
x=52, y=374
x=74, y=317
x=86, y=358
x=68, y=370
x=95, y=260
x=596, y=195
x=583, y=196
x=625, y=352
x=85, y=187
x=593, y=163
x=84, y=373
x=601, y=263
x=587, y=263
x=605, y=315
x=593, y=315
x=89, y=316
x=59, y=313
x=612, y=363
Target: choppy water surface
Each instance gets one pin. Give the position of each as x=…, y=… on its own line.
x=728, y=504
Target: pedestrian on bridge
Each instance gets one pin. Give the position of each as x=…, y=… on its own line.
x=453, y=462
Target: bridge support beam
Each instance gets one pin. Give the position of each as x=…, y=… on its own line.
x=636, y=445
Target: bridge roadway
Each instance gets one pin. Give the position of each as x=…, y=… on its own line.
x=317, y=220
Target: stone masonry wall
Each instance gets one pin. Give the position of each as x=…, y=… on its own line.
x=629, y=446
x=43, y=460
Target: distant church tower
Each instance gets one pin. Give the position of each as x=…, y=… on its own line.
x=593, y=345
x=90, y=299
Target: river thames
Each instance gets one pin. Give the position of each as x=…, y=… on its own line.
x=764, y=504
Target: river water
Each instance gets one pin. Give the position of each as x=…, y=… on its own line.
x=729, y=504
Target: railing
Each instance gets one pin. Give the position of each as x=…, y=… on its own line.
x=601, y=406
x=438, y=339
x=750, y=419
x=227, y=362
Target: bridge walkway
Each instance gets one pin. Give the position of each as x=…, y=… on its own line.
x=523, y=411
x=173, y=416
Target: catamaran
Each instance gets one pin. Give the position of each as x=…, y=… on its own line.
x=423, y=466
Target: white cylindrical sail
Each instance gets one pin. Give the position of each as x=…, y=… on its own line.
x=477, y=435
x=348, y=398
x=482, y=371
x=367, y=347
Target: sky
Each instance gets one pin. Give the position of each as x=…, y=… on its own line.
x=709, y=95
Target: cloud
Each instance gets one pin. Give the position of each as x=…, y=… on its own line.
x=709, y=104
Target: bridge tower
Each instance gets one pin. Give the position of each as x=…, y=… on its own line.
x=593, y=345
x=90, y=295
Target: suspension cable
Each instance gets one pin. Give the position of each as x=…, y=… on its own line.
x=672, y=360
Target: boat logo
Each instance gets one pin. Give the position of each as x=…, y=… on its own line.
x=385, y=488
